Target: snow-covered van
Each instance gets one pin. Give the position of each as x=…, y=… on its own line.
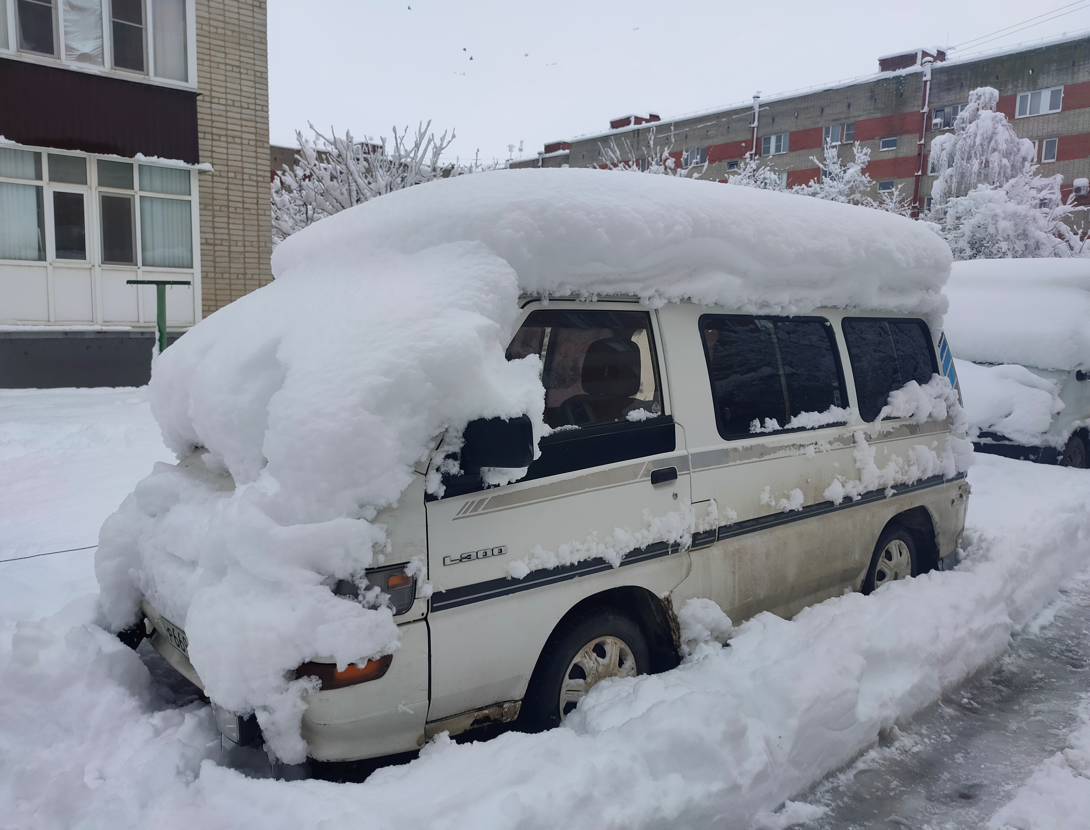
x=487, y=442
x=1021, y=329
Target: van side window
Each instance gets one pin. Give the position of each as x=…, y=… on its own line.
x=766, y=370
x=885, y=355
x=598, y=367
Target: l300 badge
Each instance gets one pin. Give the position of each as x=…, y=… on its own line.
x=475, y=554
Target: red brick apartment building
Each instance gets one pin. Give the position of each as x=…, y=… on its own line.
x=1044, y=90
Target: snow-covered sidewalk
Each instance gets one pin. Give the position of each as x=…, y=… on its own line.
x=85, y=738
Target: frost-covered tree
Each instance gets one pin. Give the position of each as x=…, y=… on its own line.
x=1022, y=218
x=645, y=157
x=839, y=180
x=332, y=174
x=988, y=201
x=849, y=183
x=983, y=149
x=752, y=173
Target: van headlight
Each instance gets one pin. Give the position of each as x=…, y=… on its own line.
x=398, y=587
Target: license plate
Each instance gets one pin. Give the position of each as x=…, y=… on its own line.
x=175, y=636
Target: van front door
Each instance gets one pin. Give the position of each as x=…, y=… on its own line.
x=506, y=563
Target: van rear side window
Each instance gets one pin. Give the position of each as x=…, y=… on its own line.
x=766, y=370
x=885, y=355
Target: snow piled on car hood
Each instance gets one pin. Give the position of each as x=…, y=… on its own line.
x=1009, y=400
x=386, y=326
x=1029, y=311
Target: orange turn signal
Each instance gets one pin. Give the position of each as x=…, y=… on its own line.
x=330, y=678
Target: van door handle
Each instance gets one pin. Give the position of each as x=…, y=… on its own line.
x=665, y=474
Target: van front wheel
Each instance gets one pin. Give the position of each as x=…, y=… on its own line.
x=894, y=558
x=584, y=652
x=1074, y=454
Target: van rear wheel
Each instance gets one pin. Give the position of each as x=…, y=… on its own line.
x=1075, y=454
x=894, y=558
x=585, y=651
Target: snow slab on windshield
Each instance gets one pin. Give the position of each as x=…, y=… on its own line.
x=385, y=327
x=1028, y=311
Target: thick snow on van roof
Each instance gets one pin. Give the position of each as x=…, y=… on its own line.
x=1035, y=312
x=386, y=326
x=658, y=237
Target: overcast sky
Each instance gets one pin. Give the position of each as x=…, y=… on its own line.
x=505, y=73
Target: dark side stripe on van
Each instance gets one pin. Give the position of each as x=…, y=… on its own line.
x=493, y=588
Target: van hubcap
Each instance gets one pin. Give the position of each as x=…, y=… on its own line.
x=894, y=563
x=600, y=658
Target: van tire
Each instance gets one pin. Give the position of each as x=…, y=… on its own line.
x=602, y=634
x=1075, y=453
x=894, y=558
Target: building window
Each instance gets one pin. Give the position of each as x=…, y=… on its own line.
x=128, y=34
x=83, y=31
x=37, y=26
x=885, y=186
x=1048, y=149
x=836, y=133
x=772, y=145
x=150, y=37
x=783, y=180
x=22, y=213
x=927, y=204
x=945, y=117
x=1039, y=102
x=695, y=155
x=888, y=143
x=732, y=164
x=112, y=211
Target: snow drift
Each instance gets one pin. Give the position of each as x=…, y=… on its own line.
x=386, y=327
x=1028, y=311
x=1009, y=400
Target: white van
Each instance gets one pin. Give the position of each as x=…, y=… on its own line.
x=1021, y=328
x=685, y=450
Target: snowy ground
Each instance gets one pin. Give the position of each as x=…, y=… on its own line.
x=92, y=735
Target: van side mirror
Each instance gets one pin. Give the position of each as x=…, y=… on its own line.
x=494, y=442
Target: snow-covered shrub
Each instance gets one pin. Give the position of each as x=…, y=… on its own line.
x=752, y=173
x=332, y=174
x=647, y=156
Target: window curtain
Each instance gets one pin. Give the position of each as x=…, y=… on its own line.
x=20, y=164
x=22, y=225
x=166, y=232
x=82, y=30
x=169, y=37
x=173, y=180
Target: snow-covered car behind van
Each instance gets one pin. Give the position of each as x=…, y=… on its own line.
x=1021, y=331
x=486, y=442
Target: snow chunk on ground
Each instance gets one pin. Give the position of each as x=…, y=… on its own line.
x=1057, y=795
x=702, y=623
x=1010, y=400
x=1027, y=311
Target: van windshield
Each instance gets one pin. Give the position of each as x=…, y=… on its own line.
x=598, y=367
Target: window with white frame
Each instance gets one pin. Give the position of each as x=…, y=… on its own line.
x=889, y=142
x=67, y=206
x=148, y=37
x=837, y=133
x=1039, y=102
x=783, y=179
x=885, y=186
x=945, y=117
x=693, y=156
x=772, y=145
x=1048, y=149
x=732, y=164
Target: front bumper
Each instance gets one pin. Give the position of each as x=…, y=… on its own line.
x=368, y=720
